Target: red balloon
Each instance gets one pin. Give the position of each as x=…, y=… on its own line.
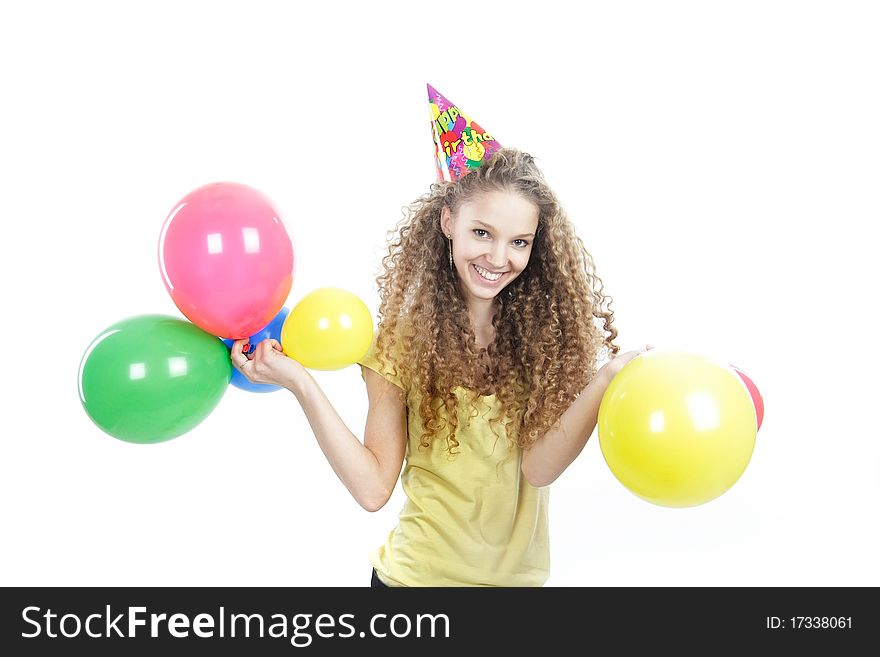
x=757, y=400
x=226, y=259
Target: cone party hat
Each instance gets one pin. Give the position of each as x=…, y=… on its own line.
x=460, y=144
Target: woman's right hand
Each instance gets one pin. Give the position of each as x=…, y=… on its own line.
x=612, y=368
x=267, y=364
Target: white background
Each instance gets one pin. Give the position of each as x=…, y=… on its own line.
x=720, y=160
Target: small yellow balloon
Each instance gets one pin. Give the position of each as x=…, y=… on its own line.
x=676, y=429
x=328, y=329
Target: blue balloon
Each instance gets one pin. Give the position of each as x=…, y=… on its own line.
x=273, y=331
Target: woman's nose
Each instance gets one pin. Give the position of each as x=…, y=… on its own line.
x=498, y=257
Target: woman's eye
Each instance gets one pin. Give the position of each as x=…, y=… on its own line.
x=523, y=243
x=477, y=232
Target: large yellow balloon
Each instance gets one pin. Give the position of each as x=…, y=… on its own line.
x=328, y=329
x=676, y=429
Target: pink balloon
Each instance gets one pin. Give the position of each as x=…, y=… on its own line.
x=226, y=259
x=757, y=399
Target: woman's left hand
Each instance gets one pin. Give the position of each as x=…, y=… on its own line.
x=610, y=369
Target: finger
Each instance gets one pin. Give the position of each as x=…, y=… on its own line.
x=269, y=344
x=275, y=344
x=241, y=346
x=238, y=353
x=263, y=347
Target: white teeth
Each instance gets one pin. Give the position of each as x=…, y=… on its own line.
x=487, y=275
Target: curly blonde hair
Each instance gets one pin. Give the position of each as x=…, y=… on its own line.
x=547, y=334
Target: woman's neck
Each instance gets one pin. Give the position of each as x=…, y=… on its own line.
x=481, y=312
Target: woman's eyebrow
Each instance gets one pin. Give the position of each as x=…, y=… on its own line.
x=477, y=221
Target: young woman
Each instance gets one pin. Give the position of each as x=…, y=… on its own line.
x=482, y=379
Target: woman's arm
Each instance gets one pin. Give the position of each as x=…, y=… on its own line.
x=370, y=469
x=554, y=451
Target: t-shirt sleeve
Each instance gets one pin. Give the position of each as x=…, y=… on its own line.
x=388, y=371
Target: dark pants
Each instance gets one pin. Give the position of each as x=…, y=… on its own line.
x=376, y=582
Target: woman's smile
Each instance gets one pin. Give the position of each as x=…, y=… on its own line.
x=485, y=277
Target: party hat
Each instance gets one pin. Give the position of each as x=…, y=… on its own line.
x=461, y=145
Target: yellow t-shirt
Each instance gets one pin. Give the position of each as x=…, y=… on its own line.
x=467, y=521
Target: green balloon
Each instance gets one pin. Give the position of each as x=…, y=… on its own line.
x=152, y=378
